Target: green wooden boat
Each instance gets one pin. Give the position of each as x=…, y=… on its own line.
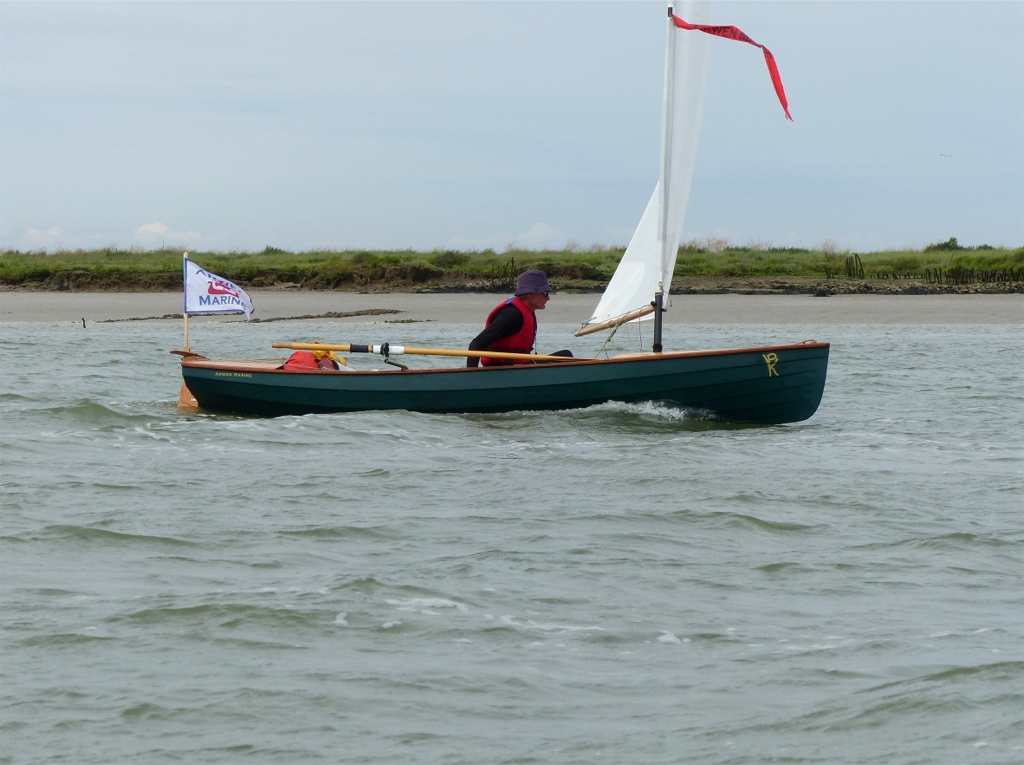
x=768, y=385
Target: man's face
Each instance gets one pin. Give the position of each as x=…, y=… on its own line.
x=536, y=300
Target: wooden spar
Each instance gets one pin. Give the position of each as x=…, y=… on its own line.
x=615, y=323
x=185, y=311
x=403, y=349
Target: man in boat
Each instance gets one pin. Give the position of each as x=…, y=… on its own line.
x=512, y=326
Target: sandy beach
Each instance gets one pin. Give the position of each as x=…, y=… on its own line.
x=468, y=308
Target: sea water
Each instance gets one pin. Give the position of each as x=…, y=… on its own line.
x=621, y=584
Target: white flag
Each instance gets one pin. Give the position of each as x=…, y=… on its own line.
x=209, y=293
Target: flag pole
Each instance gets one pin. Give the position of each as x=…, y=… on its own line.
x=184, y=311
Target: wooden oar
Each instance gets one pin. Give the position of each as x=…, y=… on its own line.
x=395, y=350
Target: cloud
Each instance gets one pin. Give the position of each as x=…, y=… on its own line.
x=52, y=238
x=44, y=238
x=541, y=235
x=55, y=238
x=153, y=228
x=151, y=232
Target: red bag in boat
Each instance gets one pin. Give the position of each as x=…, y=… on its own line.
x=302, y=361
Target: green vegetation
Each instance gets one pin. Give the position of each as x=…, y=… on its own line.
x=707, y=259
x=943, y=263
x=315, y=269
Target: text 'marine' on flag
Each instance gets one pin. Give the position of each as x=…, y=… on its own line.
x=209, y=293
x=733, y=33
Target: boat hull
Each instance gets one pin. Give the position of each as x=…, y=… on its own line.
x=769, y=385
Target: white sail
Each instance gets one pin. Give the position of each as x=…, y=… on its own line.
x=650, y=258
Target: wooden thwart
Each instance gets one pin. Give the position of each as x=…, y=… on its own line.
x=398, y=350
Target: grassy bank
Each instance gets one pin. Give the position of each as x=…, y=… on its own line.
x=943, y=264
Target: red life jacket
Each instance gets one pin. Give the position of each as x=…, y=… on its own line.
x=521, y=342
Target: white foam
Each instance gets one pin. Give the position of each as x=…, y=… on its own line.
x=548, y=627
x=389, y=625
x=560, y=627
x=418, y=604
x=340, y=619
x=814, y=647
x=648, y=408
x=668, y=637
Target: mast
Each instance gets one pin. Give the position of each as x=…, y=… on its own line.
x=645, y=269
x=667, y=130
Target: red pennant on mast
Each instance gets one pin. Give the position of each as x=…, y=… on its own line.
x=733, y=33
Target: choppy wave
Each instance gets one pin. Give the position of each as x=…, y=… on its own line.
x=544, y=587
x=225, y=616
x=89, y=413
x=92, y=535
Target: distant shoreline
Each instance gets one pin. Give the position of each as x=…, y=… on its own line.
x=713, y=267
x=565, y=308
x=719, y=284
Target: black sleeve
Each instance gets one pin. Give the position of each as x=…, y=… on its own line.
x=507, y=322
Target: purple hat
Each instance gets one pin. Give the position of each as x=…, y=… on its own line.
x=532, y=281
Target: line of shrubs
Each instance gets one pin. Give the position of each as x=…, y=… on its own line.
x=584, y=268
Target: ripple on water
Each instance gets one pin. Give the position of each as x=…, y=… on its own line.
x=531, y=587
x=77, y=535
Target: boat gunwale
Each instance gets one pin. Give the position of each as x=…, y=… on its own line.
x=200, y=362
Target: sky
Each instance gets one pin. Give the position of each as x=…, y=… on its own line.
x=471, y=125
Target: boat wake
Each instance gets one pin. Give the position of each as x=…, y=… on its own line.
x=618, y=415
x=657, y=415
x=653, y=410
